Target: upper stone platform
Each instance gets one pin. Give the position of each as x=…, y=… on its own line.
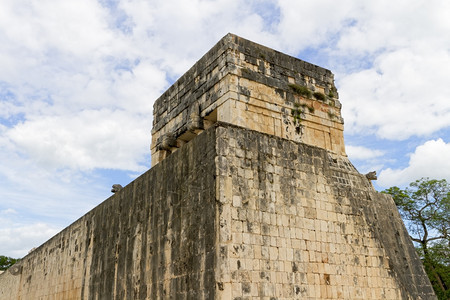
x=252, y=86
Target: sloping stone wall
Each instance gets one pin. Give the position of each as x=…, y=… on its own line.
x=234, y=214
x=250, y=195
x=155, y=239
x=299, y=222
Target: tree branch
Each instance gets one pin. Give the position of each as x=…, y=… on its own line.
x=416, y=239
x=435, y=238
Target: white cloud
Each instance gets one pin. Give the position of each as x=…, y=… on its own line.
x=180, y=32
x=78, y=80
x=50, y=33
x=47, y=191
x=405, y=94
x=362, y=153
x=8, y=211
x=404, y=90
x=79, y=93
x=365, y=159
x=306, y=24
x=84, y=141
x=17, y=241
x=432, y=159
x=385, y=25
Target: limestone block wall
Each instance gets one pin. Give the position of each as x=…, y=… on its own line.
x=234, y=214
x=250, y=196
x=249, y=85
x=9, y=286
x=155, y=239
x=299, y=222
x=54, y=270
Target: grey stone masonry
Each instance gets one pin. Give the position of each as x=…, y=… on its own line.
x=251, y=196
x=198, y=82
x=252, y=86
x=299, y=222
x=154, y=239
x=234, y=214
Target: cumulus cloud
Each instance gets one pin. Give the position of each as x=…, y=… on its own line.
x=398, y=98
x=431, y=159
x=362, y=153
x=402, y=92
x=63, y=61
x=404, y=25
x=305, y=24
x=78, y=80
x=84, y=141
x=17, y=240
x=365, y=159
x=75, y=91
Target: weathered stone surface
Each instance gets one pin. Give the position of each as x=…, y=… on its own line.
x=251, y=196
x=299, y=222
x=154, y=239
x=233, y=214
x=249, y=85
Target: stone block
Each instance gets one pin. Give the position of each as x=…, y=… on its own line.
x=259, y=202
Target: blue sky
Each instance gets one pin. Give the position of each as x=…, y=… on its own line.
x=78, y=80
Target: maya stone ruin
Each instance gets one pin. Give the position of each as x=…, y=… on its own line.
x=250, y=196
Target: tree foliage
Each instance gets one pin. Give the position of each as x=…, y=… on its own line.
x=6, y=262
x=425, y=208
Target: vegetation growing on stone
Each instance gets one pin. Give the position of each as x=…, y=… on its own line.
x=319, y=96
x=331, y=115
x=310, y=108
x=301, y=90
x=299, y=109
x=296, y=113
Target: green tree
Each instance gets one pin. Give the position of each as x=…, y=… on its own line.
x=6, y=262
x=425, y=208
